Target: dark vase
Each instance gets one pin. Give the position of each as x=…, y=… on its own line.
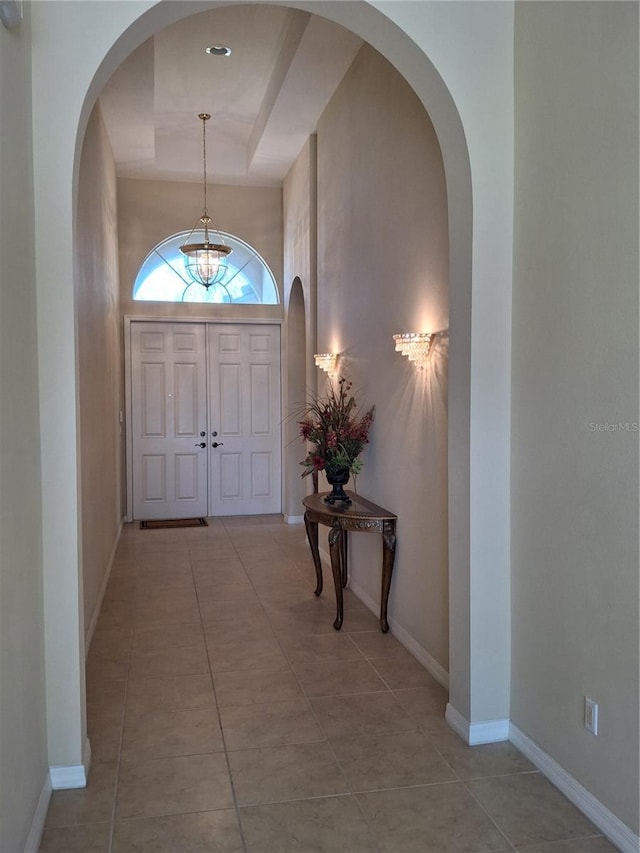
x=337, y=477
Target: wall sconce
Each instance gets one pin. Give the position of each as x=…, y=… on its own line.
x=326, y=361
x=416, y=346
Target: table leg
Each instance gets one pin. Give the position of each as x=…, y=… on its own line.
x=388, y=557
x=312, y=536
x=335, y=550
x=344, y=553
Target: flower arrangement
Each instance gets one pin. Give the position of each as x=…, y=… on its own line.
x=338, y=430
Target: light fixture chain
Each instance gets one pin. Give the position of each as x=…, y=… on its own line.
x=205, y=262
x=204, y=161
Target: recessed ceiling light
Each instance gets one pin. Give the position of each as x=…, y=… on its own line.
x=218, y=50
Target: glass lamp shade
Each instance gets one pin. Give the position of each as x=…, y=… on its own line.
x=205, y=263
x=416, y=346
x=326, y=361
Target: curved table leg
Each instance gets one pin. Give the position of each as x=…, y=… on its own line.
x=335, y=550
x=312, y=536
x=344, y=553
x=388, y=557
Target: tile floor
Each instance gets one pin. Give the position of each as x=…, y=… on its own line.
x=225, y=714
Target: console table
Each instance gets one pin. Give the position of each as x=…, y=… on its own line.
x=360, y=516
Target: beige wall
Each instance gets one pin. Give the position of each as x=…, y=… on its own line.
x=442, y=49
x=23, y=746
x=383, y=268
x=300, y=262
x=150, y=211
x=299, y=227
x=575, y=369
x=458, y=57
x=99, y=362
x=470, y=45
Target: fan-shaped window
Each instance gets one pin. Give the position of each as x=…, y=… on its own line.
x=163, y=277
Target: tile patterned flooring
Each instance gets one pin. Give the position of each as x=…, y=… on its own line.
x=225, y=714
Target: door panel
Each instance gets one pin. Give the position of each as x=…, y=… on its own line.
x=169, y=410
x=244, y=383
x=153, y=401
x=230, y=476
x=261, y=393
x=187, y=479
x=173, y=401
x=261, y=475
x=187, y=402
x=228, y=399
x=154, y=477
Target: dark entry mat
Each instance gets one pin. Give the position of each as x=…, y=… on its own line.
x=163, y=524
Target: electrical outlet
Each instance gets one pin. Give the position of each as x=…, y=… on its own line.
x=590, y=715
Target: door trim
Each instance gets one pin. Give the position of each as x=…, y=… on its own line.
x=128, y=391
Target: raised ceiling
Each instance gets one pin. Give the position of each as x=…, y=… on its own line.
x=265, y=99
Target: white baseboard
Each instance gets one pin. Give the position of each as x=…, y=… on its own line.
x=429, y=663
x=612, y=827
x=294, y=519
x=488, y=731
x=66, y=776
x=103, y=588
x=458, y=723
x=37, y=824
x=422, y=655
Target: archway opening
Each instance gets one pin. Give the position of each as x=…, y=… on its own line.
x=405, y=55
x=448, y=128
x=295, y=488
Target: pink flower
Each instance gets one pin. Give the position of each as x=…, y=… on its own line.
x=336, y=428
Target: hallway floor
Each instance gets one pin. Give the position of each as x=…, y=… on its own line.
x=225, y=714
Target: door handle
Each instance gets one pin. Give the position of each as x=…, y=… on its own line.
x=201, y=444
x=217, y=444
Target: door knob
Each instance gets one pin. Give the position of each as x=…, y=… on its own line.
x=202, y=434
x=214, y=433
x=202, y=444
x=217, y=444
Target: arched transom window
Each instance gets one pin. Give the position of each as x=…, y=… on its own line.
x=164, y=278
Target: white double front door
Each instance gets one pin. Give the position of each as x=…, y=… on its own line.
x=205, y=419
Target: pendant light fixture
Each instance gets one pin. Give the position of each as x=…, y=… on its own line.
x=205, y=263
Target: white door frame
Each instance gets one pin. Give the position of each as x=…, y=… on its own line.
x=128, y=401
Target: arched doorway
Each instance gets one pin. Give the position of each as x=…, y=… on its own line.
x=296, y=384
x=478, y=692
